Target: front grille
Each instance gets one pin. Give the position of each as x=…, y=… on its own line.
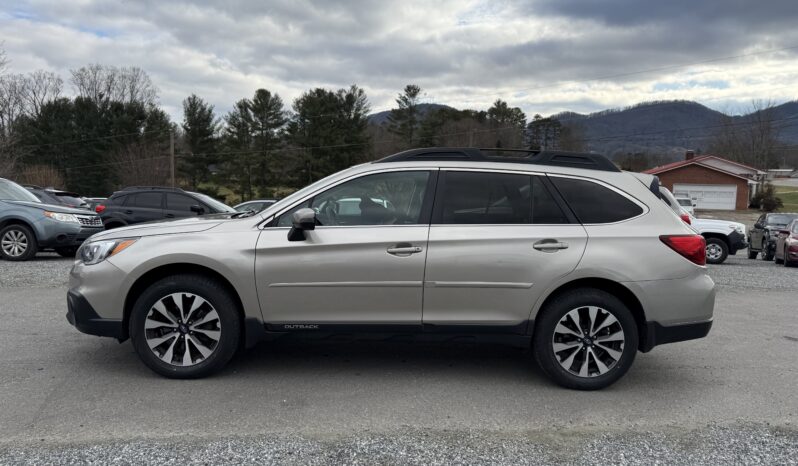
x=90, y=220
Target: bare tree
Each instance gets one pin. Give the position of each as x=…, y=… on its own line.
x=752, y=139
x=41, y=175
x=141, y=163
x=3, y=59
x=102, y=84
x=39, y=88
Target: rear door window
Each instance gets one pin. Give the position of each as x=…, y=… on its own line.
x=594, y=203
x=488, y=198
x=145, y=200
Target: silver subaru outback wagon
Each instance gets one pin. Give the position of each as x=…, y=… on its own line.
x=561, y=252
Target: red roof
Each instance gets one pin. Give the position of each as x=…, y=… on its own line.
x=697, y=160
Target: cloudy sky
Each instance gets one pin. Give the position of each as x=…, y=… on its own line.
x=545, y=56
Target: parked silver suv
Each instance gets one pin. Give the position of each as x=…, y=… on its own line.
x=561, y=251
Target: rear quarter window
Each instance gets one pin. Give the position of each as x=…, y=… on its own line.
x=594, y=203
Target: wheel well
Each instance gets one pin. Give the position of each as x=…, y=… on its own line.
x=719, y=236
x=616, y=289
x=158, y=273
x=16, y=221
x=114, y=224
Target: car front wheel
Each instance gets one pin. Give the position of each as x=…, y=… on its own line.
x=185, y=326
x=586, y=339
x=17, y=243
x=787, y=261
x=717, y=251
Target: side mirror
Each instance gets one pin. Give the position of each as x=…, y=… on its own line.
x=758, y=225
x=303, y=219
x=199, y=210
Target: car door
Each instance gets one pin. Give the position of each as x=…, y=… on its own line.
x=179, y=206
x=756, y=232
x=143, y=207
x=497, y=241
x=362, y=264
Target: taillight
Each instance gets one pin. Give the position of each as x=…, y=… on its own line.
x=99, y=208
x=686, y=218
x=691, y=247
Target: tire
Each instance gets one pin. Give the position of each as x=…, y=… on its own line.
x=787, y=262
x=17, y=243
x=582, y=302
x=751, y=253
x=767, y=255
x=717, y=251
x=68, y=252
x=214, y=340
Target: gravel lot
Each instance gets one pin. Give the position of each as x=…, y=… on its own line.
x=727, y=399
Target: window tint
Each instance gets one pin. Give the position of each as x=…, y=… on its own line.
x=497, y=198
x=180, y=202
x=148, y=200
x=594, y=203
x=393, y=198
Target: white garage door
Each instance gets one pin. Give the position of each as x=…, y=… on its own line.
x=708, y=196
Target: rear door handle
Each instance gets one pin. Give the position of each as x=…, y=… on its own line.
x=550, y=245
x=404, y=249
x=128, y=212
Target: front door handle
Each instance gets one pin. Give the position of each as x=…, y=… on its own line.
x=550, y=245
x=404, y=249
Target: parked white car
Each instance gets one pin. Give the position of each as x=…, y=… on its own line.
x=723, y=237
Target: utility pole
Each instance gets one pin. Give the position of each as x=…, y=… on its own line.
x=172, y=155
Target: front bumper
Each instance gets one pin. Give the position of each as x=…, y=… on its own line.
x=67, y=237
x=656, y=334
x=737, y=241
x=84, y=318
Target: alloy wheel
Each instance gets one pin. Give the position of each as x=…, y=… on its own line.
x=588, y=341
x=714, y=252
x=14, y=243
x=182, y=329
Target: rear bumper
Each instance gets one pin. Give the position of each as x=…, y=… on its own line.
x=657, y=334
x=84, y=318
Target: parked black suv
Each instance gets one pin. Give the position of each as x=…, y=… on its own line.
x=762, y=237
x=139, y=204
x=58, y=197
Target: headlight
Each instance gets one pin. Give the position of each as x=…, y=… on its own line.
x=738, y=228
x=69, y=218
x=95, y=252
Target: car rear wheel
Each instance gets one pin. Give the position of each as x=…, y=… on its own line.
x=717, y=251
x=17, y=243
x=586, y=339
x=787, y=261
x=767, y=254
x=751, y=253
x=185, y=326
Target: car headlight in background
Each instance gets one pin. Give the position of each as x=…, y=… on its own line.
x=69, y=218
x=95, y=252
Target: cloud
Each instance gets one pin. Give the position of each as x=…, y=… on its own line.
x=542, y=55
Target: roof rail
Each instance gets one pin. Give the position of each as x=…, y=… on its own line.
x=553, y=158
x=142, y=188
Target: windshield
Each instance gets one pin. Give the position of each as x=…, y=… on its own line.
x=215, y=205
x=781, y=219
x=10, y=191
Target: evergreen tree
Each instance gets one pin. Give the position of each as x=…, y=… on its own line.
x=200, y=129
x=268, y=118
x=404, y=120
x=329, y=127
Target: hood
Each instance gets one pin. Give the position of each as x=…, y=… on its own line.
x=53, y=208
x=712, y=221
x=169, y=227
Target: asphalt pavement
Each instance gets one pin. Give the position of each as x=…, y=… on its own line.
x=66, y=397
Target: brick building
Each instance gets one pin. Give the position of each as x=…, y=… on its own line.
x=712, y=182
